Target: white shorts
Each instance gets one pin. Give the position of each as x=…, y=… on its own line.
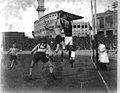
x=68, y=40
x=72, y=53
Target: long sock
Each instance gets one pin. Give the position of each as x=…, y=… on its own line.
x=31, y=68
x=12, y=62
x=51, y=72
x=30, y=71
x=51, y=69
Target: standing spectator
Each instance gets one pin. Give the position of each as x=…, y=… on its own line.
x=103, y=57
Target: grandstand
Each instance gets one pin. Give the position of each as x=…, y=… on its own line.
x=19, y=38
x=81, y=43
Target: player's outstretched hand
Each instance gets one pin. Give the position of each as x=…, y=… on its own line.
x=20, y=50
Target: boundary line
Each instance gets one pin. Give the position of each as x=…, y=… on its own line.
x=108, y=89
x=81, y=87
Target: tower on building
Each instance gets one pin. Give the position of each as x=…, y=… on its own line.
x=40, y=8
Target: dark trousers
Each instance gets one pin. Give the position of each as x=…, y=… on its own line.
x=101, y=66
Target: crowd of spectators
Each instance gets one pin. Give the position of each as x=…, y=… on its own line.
x=85, y=43
x=22, y=43
x=110, y=41
x=82, y=42
x=26, y=43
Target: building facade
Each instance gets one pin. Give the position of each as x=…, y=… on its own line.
x=107, y=23
x=39, y=25
x=80, y=29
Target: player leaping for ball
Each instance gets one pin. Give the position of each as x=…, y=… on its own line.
x=39, y=53
x=13, y=54
x=64, y=25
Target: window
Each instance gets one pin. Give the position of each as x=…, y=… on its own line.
x=85, y=26
x=52, y=26
x=82, y=26
x=109, y=21
x=100, y=22
x=78, y=26
x=74, y=26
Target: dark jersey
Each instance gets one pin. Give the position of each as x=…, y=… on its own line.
x=67, y=26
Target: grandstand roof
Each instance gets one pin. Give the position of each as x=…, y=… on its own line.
x=107, y=12
x=67, y=16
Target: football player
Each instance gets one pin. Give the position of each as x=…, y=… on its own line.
x=41, y=52
x=13, y=54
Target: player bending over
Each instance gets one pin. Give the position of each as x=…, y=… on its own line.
x=13, y=54
x=40, y=52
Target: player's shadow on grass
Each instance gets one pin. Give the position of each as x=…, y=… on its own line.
x=51, y=82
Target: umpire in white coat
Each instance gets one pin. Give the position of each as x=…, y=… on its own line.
x=102, y=57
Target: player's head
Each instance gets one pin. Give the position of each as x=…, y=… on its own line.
x=60, y=13
x=14, y=45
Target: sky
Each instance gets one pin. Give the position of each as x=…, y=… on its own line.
x=20, y=15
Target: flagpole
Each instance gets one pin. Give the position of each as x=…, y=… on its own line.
x=96, y=39
x=95, y=17
x=91, y=44
x=118, y=45
x=92, y=32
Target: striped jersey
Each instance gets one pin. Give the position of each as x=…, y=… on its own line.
x=42, y=47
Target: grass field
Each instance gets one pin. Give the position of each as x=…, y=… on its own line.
x=83, y=78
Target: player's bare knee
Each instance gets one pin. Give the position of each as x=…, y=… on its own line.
x=50, y=64
x=31, y=65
